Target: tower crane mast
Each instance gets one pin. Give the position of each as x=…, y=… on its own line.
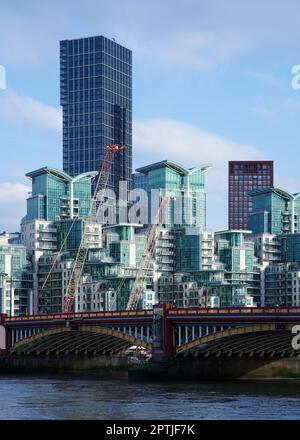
x=148, y=255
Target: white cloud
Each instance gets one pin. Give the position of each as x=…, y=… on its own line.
x=197, y=34
x=12, y=205
x=24, y=35
x=160, y=139
x=155, y=140
x=24, y=110
x=196, y=50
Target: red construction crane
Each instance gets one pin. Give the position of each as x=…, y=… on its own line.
x=77, y=268
x=148, y=255
x=102, y=181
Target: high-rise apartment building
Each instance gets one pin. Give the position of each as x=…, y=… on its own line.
x=243, y=178
x=194, y=250
x=15, y=284
x=235, y=250
x=57, y=196
x=96, y=97
x=274, y=211
x=184, y=186
x=282, y=285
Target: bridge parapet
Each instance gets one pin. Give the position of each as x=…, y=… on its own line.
x=129, y=314
x=166, y=327
x=243, y=311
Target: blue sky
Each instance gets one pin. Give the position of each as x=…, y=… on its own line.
x=212, y=83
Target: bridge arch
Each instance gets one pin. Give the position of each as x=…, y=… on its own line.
x=83, y=339
x=251, y=340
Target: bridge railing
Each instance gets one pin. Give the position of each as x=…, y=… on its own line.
x=233, y=311
x=65, y=316
x=148, y=313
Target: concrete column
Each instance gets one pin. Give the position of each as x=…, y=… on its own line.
x=71, y=200
x=162, y=333
x=2, y=337
x=30, y=302
x=293, y=216
x=2, y=299
x=179, y=335
x=12, y=300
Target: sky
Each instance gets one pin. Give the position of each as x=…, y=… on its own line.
x=212, y=82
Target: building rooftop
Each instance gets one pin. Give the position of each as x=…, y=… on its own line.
x=60, y=174
x=235, y=231
x=122, y=225
x=281, y=192
x=174, y=165
x=100, y=37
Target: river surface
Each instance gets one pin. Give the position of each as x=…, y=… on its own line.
x=91, y=397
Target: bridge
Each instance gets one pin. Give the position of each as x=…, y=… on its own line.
x=166, y=332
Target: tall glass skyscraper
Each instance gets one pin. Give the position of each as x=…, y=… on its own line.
x=96, y=97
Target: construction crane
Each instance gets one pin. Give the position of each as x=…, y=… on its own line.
x=147, y=257
x=55, y=260
x=101, y=184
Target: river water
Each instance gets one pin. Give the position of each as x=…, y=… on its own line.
x=92, y=397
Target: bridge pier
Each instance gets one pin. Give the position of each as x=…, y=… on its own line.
x=3, y=334
x=163, y=346
x=163, y=362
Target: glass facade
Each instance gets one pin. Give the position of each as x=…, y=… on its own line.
x=236, y=252
x=140, y=181
x=185, y=188
x=51, y=195
x=243, y=178
x=194, y=250
x=274, y=211
x=282, y=285
x=14, y=291
x=96, y=97
x=290, y=247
